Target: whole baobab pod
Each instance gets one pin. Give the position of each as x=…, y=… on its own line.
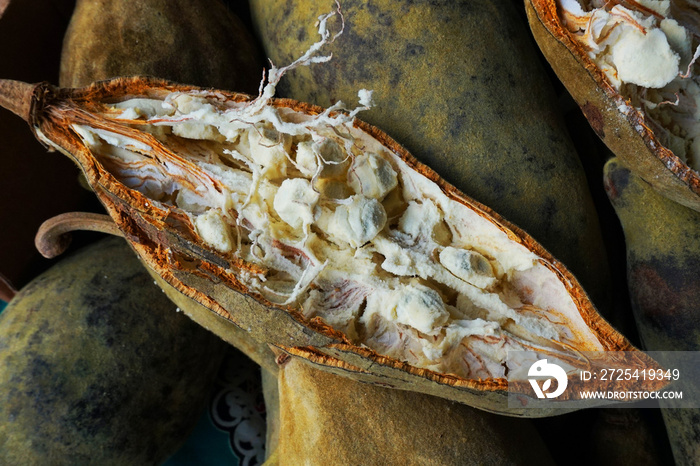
x=663, y=249
x=325, y=418
x=97, y=367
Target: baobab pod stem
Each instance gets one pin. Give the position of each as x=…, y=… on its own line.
x=17, y=97
x=53, y=237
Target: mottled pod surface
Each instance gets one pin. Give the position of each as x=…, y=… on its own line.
x=97, y=367
x=663, y=253
x=631, y=68
x=461, y=87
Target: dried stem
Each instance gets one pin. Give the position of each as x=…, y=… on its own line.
x=53, y=236
x=16, y=96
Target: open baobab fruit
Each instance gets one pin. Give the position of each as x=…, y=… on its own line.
x=320, y=235
x=631, y=68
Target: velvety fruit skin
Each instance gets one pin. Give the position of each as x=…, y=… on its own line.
x=663, y=253
x=329, y=419
x=97, y=367
x=460, y=86
x=190, y=41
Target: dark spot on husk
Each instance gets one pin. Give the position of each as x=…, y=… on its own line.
x=595, y=118
x=496, y=186
x=512, y=82
x=42, y=384
x=356, y=69
x=665, y=292
x=616, y=181
x=82, y=368
x=381, y=17
x=547, y=212
x=459, y=117
x=414, y=49
x=543, y=165
x=97, y=405
x=395, y=78
x=42, y=329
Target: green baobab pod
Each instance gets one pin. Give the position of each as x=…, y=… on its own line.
x=461, y=87
x=97, y=367
x=643, y=108
x=663, y=252
x=191, y=41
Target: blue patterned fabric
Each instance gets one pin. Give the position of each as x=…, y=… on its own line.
x=231, y=430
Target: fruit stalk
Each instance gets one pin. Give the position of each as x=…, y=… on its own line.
x=16, y=96
x=53, y=237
